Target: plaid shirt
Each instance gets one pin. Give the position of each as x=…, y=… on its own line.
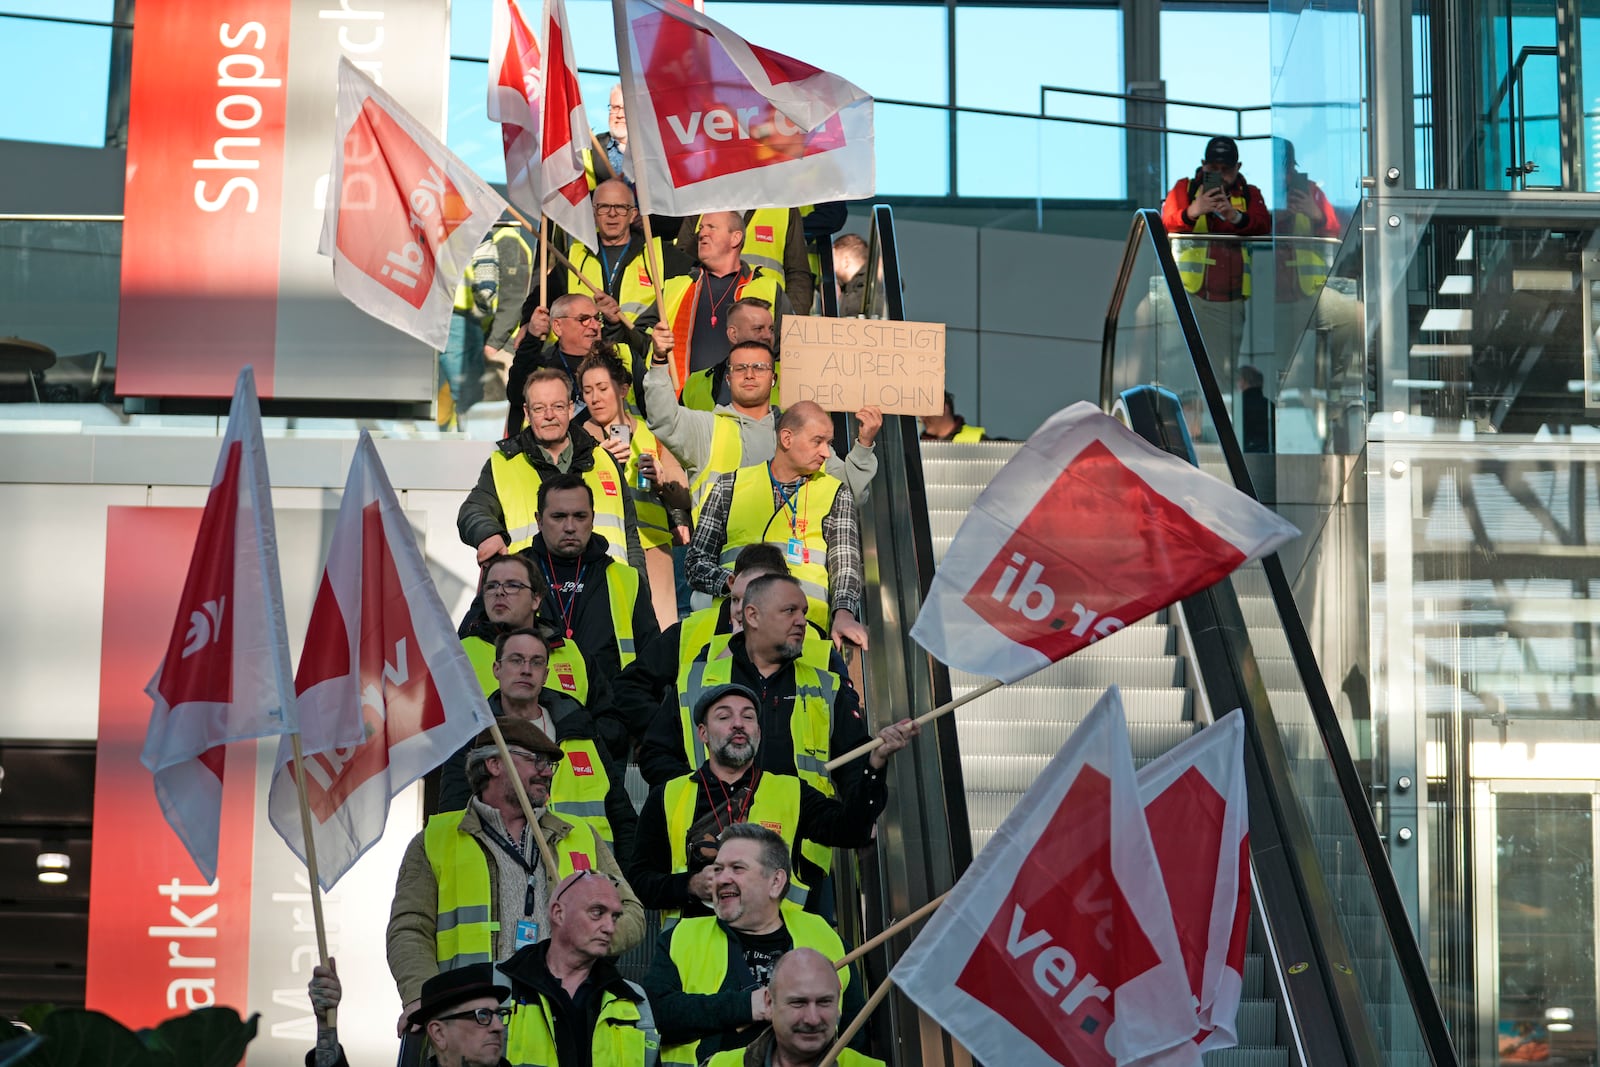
x=841, y=531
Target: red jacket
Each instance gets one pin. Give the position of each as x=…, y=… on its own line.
x=1225, y=277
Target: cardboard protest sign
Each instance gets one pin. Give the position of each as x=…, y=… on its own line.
x=848, y=364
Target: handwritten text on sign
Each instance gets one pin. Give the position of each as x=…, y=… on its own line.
x=849, y=364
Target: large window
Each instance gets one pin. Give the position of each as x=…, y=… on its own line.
x=1214, y=55
x=70, y=59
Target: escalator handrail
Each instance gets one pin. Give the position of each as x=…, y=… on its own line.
x=1148, y=231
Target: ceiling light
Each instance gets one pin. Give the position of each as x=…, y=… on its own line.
x=1560, y=1015
x=1559, y=1028
x=53, y=867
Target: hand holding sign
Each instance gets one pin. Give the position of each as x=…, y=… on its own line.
x=851, y=364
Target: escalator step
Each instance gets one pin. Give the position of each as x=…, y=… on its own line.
x=1021, y=701
x=1102, y=671
x=1246, y=1057
x=1024, y=738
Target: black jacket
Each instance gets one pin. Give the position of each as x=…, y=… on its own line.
x=648, y=683
x=572, y=723
x=481, y=516
x=845, y=822
x=573, y=1023
x=662, y=757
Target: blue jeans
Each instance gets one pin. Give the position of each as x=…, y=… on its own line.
x=461, y=362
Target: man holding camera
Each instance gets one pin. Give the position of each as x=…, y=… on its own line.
x=1216, y=273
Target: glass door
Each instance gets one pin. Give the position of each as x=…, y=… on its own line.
x=1536, y=921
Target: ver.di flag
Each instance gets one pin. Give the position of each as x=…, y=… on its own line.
x=225, y=676
x=1057, y=944
x=1087, y=529
x=514, y=71
x=563, y=132
x=403, y=213
x=1195, y=804
x=716, y=123
x=379, y=641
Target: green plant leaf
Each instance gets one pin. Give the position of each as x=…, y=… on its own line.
x=33, y=1015
x=210, y=1037
x=78, y=1038
x=16, y=1044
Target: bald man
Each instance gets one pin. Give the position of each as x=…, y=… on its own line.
x=791, y=502
x=802, y=1000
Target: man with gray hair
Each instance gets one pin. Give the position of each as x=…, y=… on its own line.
x=472, y=887
x=576, y=322
x=708, y=979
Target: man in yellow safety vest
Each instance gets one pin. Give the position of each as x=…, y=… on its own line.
x=803, y=1004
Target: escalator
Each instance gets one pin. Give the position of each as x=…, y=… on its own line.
x=1336, y=976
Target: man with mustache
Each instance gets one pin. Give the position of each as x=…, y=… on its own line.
x=803, y=1003
x=681, y=820
x=706, y=981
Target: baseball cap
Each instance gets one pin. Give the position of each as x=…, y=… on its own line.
x=1221, y=150
x=709, y=698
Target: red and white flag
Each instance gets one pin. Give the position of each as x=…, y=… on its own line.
x=1195, y=804
x=1057, y=944
x=1087, y=529
x=225, y=676
x=381, y=645
x=564, y=133
x=403, y=213
x=514, y=72
x=716, y=123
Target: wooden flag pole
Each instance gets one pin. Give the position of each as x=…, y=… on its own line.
x=652, y=262
x=556, y=252
x=330, y=1019
x=858, y=1022
x=527, y=805
x=544, y=261
x=943, y=709
x=898, y=926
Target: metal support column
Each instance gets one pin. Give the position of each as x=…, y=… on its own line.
x=1141, y=66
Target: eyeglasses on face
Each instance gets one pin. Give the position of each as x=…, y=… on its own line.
x=508, y=588
x=612, y=209
x=482, y=1016
x=518, y=663
x=749, y=368
x=582, y=320
x=542, y=761
x=536, y=410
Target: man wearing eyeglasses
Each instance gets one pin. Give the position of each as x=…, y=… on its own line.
x=586, y=787
x=576, y=323
x=619, y=267
x=472, y=886
x=744, y=431
x=572, y=1005
x=459, y=1013
x=500, y=514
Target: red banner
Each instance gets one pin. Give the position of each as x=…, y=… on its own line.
x=206, y=120
x=162, y=941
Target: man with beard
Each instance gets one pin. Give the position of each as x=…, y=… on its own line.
x=586, y=786
x=572, y=1006
x=803, y=1004
x=708, y=977
x=682, y=819
x=500, y=513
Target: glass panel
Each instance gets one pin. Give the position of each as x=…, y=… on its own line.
x=912, y=68
x=1541, y=126
x=31, y=54
x=1191, y=72
x=70, y=319
x=468, y=131
x=94, y=10
x=1544, y=899
x=913, y=150
x=1040, y=158
x=1030, y=39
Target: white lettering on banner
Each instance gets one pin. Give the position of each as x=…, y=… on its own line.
x=1023, y=601
x=1053, y=968
x=197, y=992
x=719, y=124
x=301, y=1026
x=237, y=111
x=204, y=627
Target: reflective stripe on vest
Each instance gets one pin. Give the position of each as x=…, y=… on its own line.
x=624, y=1033
x=516, y=485
x=622, y=591
x=724, y=456
x=569, y=671
x=753, y=517
x=766, y=234
x=1195, y=256
x=634, y=291
x=480, y=654
x=680, y=294
x=466, y=926
x=776, y=806
x=1310, y=267
x=647, y=507
x=699, y=950
x=579, y=788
